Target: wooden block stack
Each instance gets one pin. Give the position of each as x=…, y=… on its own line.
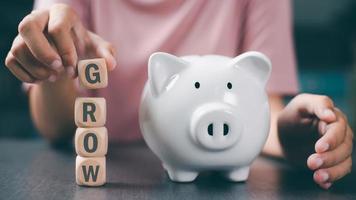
x=91, y=137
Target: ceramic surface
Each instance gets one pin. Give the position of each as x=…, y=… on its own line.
x=207, y=112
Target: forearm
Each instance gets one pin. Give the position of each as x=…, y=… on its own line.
x=52, y=109
x=273, y=146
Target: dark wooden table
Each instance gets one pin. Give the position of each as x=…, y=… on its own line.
x=31, y=169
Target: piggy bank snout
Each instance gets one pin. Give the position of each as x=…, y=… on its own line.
x=216, y=126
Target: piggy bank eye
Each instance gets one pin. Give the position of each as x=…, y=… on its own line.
x=197, y=85
x=229, y=85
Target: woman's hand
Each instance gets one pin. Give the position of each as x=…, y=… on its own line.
x=314, y=132
x=50, y=41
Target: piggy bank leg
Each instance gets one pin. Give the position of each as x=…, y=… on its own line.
x=238, y=174
x=179, y=175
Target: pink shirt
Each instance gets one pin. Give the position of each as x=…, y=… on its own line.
x=138, y=28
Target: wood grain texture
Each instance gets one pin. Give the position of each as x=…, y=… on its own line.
x=91, y=142
x=31, y=169
x=92, y=73
x=90, y=111
x=90, y=171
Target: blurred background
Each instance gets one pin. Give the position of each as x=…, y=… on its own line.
x=325, y=40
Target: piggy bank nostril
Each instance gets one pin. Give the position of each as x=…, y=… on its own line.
x=210, y=129
x=226, y=129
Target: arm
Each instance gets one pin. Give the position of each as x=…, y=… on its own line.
x=45, y=53
x=311, y=132
x=52, y=109
x=300, y=132
x=273, y=146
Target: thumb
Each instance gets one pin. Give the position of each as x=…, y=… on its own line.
x=326, y=114
x=322, y=107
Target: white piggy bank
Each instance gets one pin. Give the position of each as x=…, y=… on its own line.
x=208, y=112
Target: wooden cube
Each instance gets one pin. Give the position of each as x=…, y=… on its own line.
x=90, y=171
x=92, y=73
x=91, y=142
x=90, y=112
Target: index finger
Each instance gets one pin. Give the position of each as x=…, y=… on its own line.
x=31, y=30
x=319, y=105
x=61, y=19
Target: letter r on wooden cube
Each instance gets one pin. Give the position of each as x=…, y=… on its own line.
x=91, y=142
x=90, y=112
x=92, y=73
x=90, y=171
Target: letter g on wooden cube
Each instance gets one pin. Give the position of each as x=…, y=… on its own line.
x=90, y=112
x=93, y=73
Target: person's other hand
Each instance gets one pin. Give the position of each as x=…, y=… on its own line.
x=49, y=43
x=315, y=133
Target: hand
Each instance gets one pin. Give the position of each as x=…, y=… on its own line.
x=316, y=134
x=50, y=41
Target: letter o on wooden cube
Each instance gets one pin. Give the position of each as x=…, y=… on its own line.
x=91, y=142
x=92, y=73
x=90, y=112
x=90, y=171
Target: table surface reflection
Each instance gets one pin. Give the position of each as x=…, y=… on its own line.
x=31, y=169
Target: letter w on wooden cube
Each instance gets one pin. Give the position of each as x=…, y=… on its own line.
x=90, y=171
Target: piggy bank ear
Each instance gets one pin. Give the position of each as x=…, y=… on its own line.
x=163, y=68
x=255, y=64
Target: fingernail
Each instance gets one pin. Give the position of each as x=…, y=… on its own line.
x=114, y=63
x=70, y=72
x=324, y=176
x=52, y=78
x=322, y=146
x=328, y=112
x=322, y=127
x=56, y=64
x=327, y=185
x=318, y=162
